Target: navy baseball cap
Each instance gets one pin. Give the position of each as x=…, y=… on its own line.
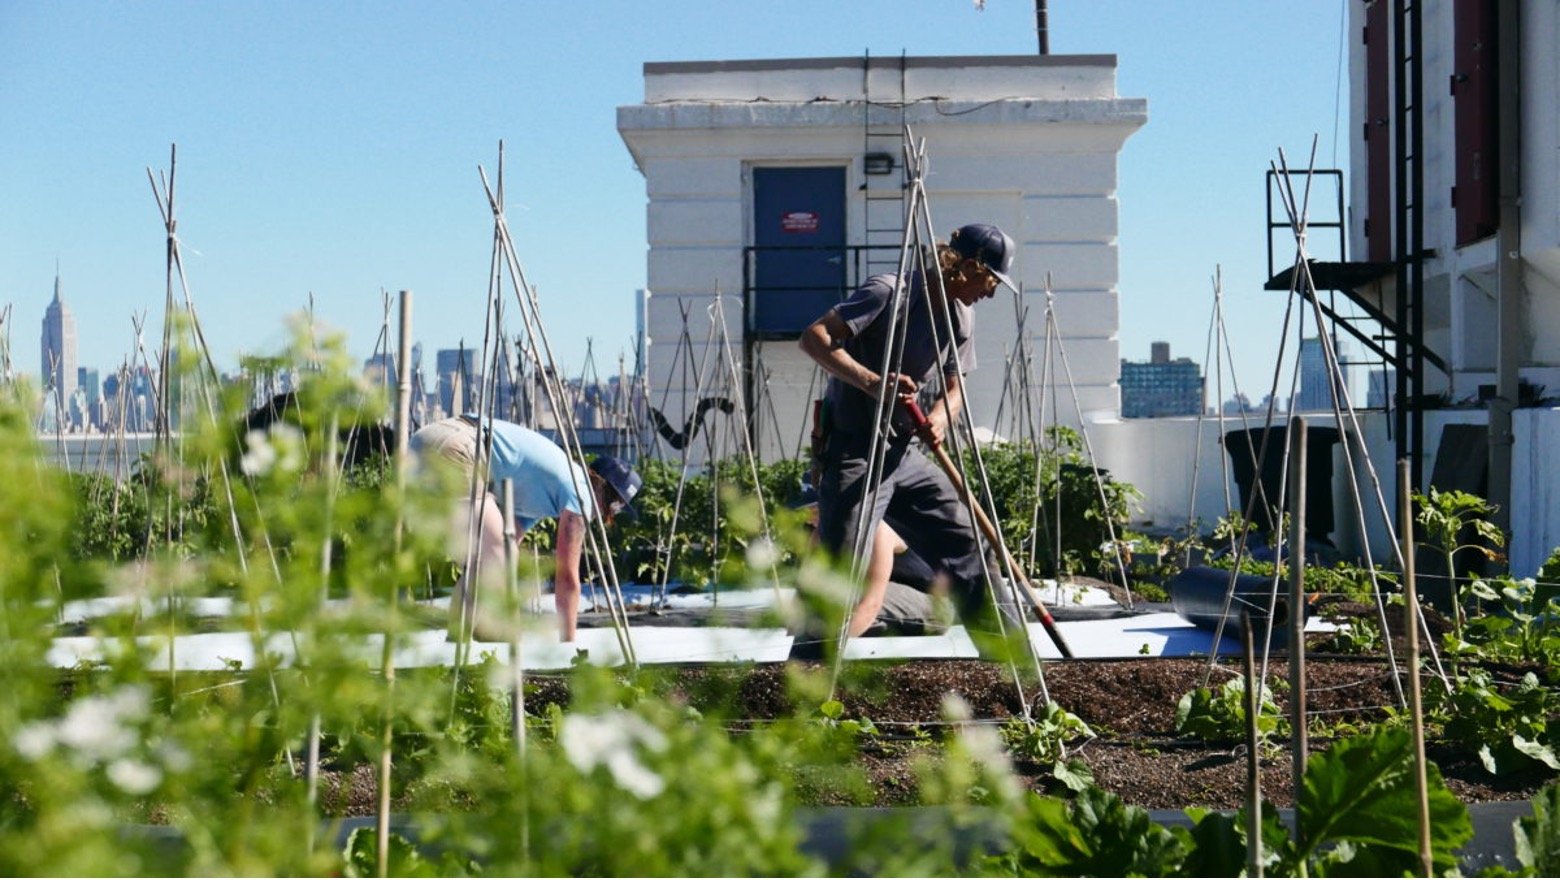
x=989, y=246
x=622, y=478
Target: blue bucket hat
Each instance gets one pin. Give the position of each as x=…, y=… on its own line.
x=989, y=246
x=620, y=476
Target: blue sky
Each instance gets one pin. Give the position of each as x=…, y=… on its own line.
x=332, y=149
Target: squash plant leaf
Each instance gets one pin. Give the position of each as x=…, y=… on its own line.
x=1538, y=835
x=1361, y=791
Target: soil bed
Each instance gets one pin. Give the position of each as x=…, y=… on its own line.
x=1130, y=704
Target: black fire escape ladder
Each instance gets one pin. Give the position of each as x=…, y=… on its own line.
x=1389, y=294
x=1409, y=231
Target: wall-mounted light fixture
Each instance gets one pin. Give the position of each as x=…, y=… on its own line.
x=878, y=163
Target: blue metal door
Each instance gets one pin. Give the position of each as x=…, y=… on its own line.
x=798, y=269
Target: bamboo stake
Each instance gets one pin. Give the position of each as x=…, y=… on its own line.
x=403, y=409
x=311, y=771
x=1253, y=760
x=1415, y=704
x=1297, y=468
x=516, y=671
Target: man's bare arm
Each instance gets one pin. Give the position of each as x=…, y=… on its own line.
x=824, y=341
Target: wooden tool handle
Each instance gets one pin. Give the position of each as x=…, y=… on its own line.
x=987, y=527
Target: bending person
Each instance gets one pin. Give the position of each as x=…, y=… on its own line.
x=545, y=482
x=849, y=342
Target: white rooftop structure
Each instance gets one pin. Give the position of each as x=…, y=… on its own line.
x=780, y=185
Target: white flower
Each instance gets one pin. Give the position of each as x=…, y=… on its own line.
x=259, y=456
x=984, y=746
x=954, y=708
x=633, y=776
x=762, y=554
x=96, y=727
x=134, y=777
x=173, y=757
x=131, y=703
x=287, y=443
x=34, y=740
x=614, y=739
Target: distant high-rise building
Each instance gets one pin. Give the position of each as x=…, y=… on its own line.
x=1161, y=386
x=87, y=381
x=91, y=397
x=59, y=348
x=1315, y=379
x=380, y=369
x=127, y=397
x=457, y=372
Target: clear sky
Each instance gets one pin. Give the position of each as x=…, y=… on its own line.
x=333, y=148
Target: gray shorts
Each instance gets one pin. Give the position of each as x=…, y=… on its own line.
x=921, y=502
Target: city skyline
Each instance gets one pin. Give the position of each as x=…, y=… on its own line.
x=100, y=402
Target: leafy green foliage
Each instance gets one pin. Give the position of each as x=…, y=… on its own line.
x=707, y=545
x=1458, y=524
x=1219, y=715
x=1508, y=727
x=1045, y=739
x=1069, y=499
x=361, y=858
x=1095, y=834
x=1357, y=809
x=1521, y=623
x=1538, y=835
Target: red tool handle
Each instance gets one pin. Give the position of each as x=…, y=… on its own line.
x=920, y=421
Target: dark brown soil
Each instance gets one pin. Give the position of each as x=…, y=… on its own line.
x=1130, y=705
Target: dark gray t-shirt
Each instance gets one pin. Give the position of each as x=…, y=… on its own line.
x=866, y=312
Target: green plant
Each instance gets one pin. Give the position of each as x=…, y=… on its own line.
x=1219, y=715
x=1358, y=634
x=1355, y=815
x=708, y=545
x=1522, y=623
x=1509, y=728
x=1094, y=834
x=1044, y=741
x=1071, y=515
x=361, y=858
x=832, y=715
x=1444, y=518
x=1538, y=835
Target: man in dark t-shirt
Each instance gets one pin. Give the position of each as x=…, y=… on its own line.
x=849, y=342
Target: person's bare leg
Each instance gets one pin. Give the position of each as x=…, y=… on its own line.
x=489, y=565
x=880, y=564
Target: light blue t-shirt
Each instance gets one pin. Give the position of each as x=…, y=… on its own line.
x=540, y=472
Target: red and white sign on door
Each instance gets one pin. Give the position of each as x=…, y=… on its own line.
x=799, y=221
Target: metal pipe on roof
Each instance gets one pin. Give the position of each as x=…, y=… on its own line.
x=1509, y=293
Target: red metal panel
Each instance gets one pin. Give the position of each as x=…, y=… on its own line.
x=1476, y=102
x=1378, y=132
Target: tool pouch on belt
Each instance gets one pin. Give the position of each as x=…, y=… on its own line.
x=819, y=441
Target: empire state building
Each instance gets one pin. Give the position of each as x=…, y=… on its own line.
x=59, y=349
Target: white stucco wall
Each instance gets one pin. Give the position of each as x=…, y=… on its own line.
x=1029, y=144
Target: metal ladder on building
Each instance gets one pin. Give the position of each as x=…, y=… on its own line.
x=1409, y=232
x=883, y=183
